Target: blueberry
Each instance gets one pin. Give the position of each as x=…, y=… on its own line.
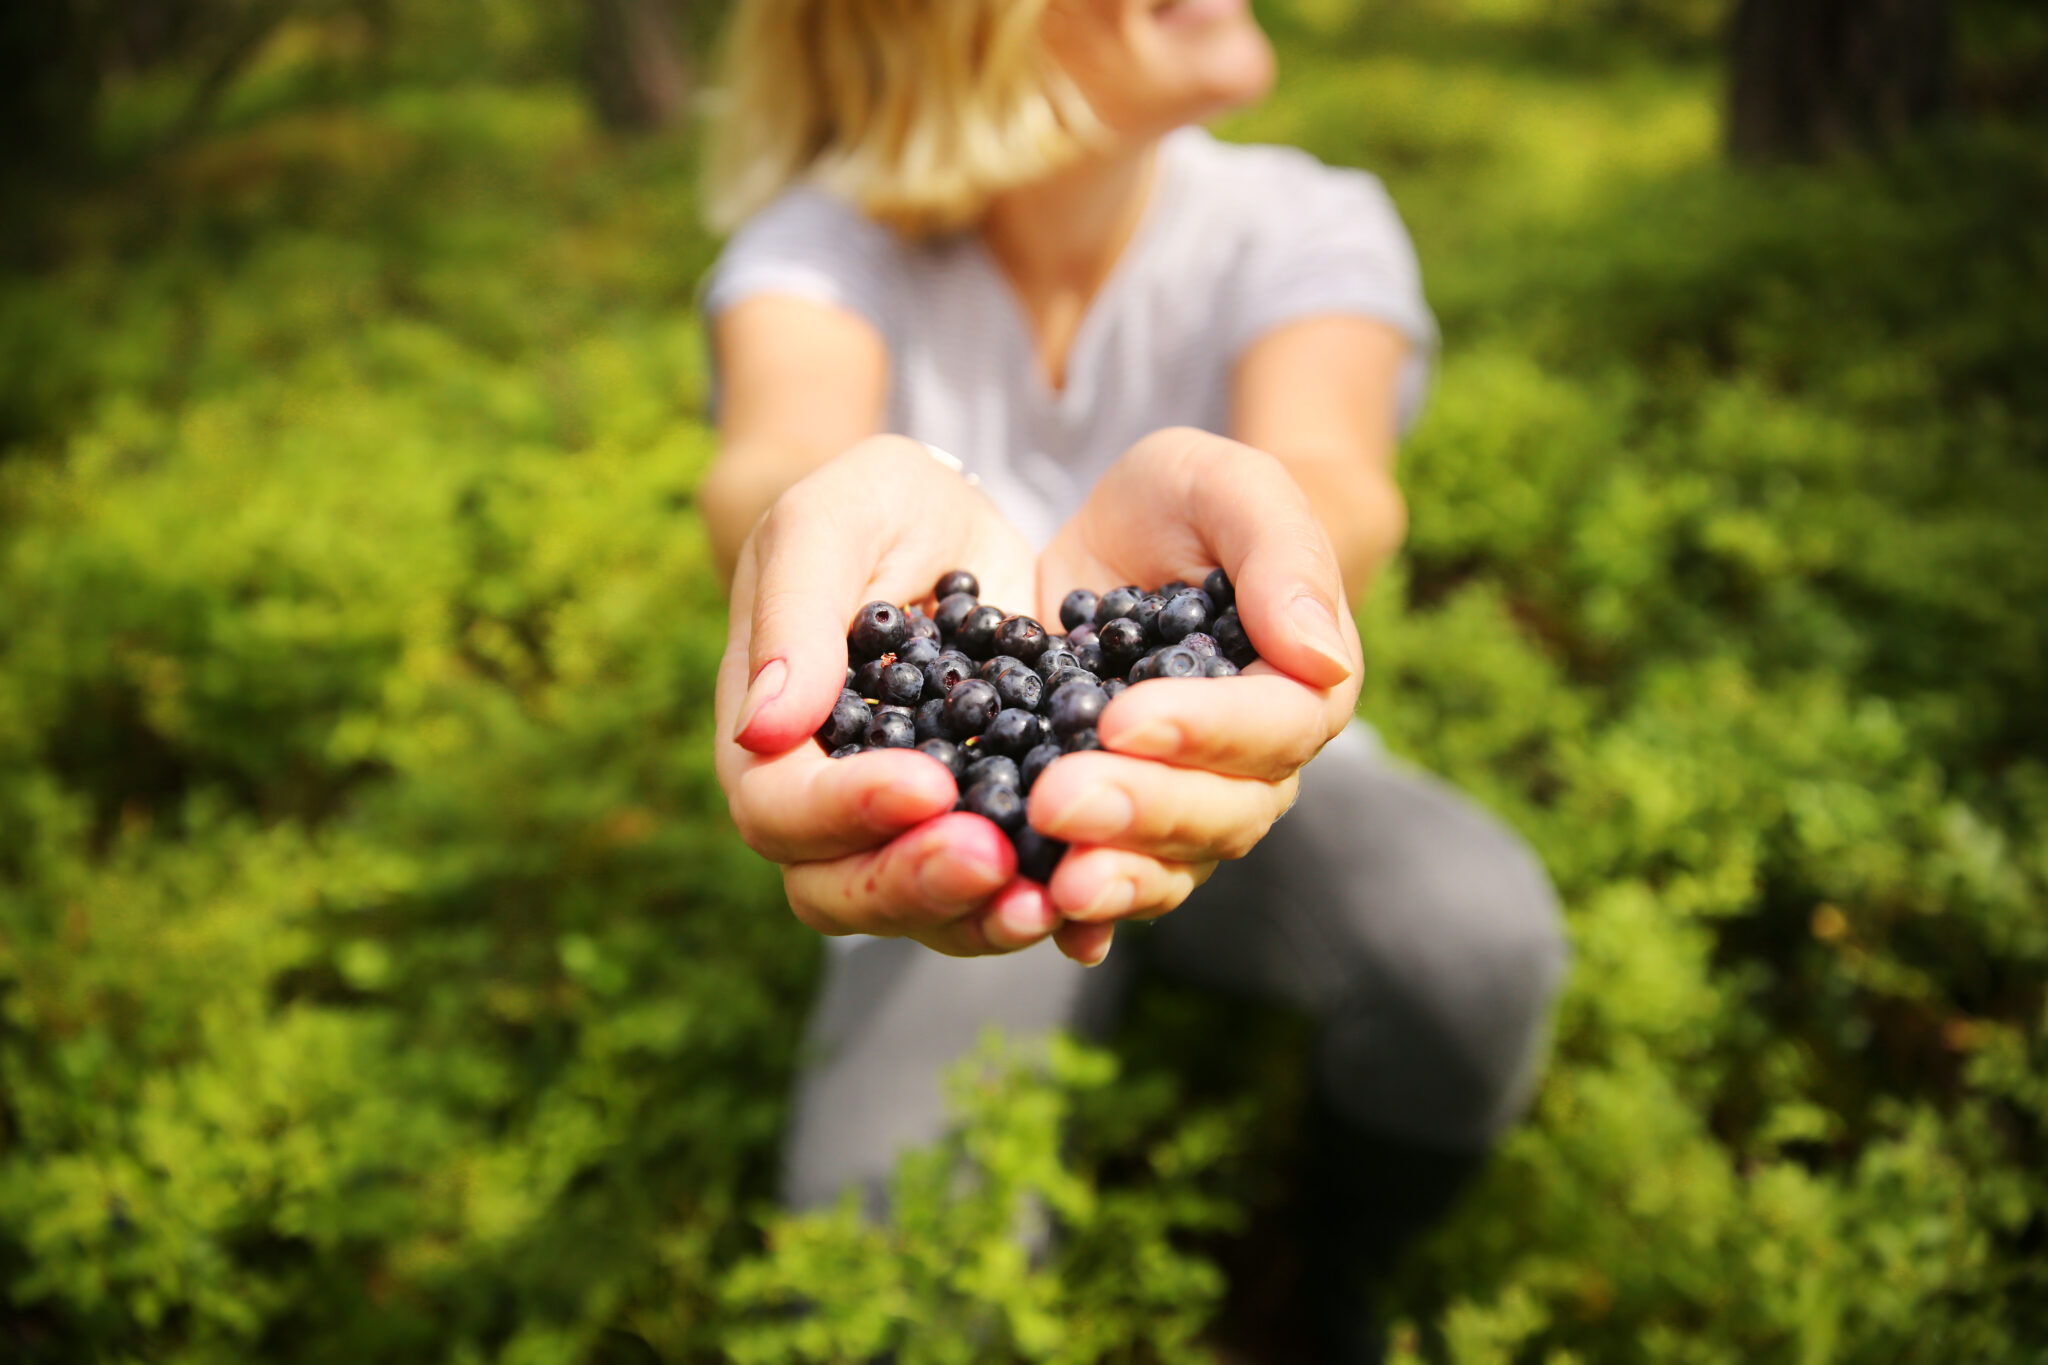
x=1080, y=741
x=958, y=581
x=849, y=675
x=969, y=708
x=1114, y=687
x=1115, y=603
x=1021, y=638
x=946, y=672
x=1231, y=640
x=1182, y=616
x=977, y=634
x=1146, y=614
x=1003, y=805
x=1034, y=763
x=891, y=729
x=946, y=752
x=1078, y=608
x=902, y=683
x=848, y=723
x=1171, y=586
x=919, y=649
x=849, y=750
x=993, y=768
x=931, y=722
x=1076, y=706
x=1219, y=588
x=867, y=679
x=1065, y=676
x=952, y=611
x=877, y=629
x=1054, y=659
x=1218, y=667
x=1147, y=667
x=1013, y=732
x=1202, y=643
x=1177, y=663
x=1122, y=641
x=996, y=665
x=1020, y=687
x=1037, y=855
x=922, y=627
x=1083, y=634
x=1089, y=656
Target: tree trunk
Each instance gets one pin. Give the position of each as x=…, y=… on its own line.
x=638, y=70
x=1812, y=78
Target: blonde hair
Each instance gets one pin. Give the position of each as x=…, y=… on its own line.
x=918, y=112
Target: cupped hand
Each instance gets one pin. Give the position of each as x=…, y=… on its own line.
x=1193, y=770
x=869, y=844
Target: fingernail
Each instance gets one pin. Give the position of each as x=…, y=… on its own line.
x=766, y=687
x=1024, y=917
x=1102, y=956
x=1097, y=814
x=1154, y=738
x=1315, y=626
x=1115, y=898
x=948, y=877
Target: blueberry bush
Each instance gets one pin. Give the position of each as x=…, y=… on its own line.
x=381, y=980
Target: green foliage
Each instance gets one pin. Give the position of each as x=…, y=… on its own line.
x=380, y=979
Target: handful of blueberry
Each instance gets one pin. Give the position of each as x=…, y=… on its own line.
x=997, y=697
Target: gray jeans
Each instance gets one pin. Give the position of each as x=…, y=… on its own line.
x=1419, y=932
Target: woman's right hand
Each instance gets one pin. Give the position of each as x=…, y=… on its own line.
x=868, y=844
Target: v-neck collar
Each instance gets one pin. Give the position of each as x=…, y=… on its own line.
x=1075, y=393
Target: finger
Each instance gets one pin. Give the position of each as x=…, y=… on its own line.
x=1018, y=916
x=805, y=807
x=1201, y=723
x=1103, y=885
x=1087, y=944
x=802, y=581
x=1180, y=814
x=1290, y=590
x=925, y=879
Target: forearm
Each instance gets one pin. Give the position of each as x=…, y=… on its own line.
x=1361, y=508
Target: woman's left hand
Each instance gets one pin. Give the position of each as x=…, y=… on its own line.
x=1193, y=770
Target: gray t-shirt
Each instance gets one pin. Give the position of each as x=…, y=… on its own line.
x=1236, y=241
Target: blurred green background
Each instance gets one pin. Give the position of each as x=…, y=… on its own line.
x=380, y=979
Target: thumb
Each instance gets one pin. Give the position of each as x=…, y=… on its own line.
x=1290, y=590
x=805, y=577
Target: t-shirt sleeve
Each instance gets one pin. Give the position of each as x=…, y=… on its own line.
x=1334, y=243
x=808, y=245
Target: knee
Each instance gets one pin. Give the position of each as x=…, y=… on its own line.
x=1443, y=1028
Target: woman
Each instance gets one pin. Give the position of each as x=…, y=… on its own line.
x=996, y=226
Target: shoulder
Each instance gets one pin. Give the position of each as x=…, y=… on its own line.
x=811, y=244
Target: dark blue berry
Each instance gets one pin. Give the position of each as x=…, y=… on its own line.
x=1202, y=643
x=1078, y=608
x=1034, y=764
x=1089, y=656
x=1037, y=855
x=877, y=630
x=918, y=650
x=1147, y=667
x=1055, y=659
x=902, y=684
x=1219, y=588
x=1076, y=707
x=1083, y=634
x=848, y=723
x=996, y=768
x=993, y=801
x=1079, y=742
x=976, y=637
x=931, y=722
x=952, y=611
x=849, y=750
x=1065, y=676
x=946, y=672
x=1021, y=638
x=1115, y=687
x=1020, y=687
x=946, y=752
x=1012, y=732
x=867, y=679
x=1182, y=616
x=1146, y=614
x=958, y=581
x=1115, y=603
x=1122, y=641
x=891, y=729
x=1218, y=667
x=922, y=627
x=1231, y=640
x=1177, y=663
x=969, y=708
x=996, y=665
